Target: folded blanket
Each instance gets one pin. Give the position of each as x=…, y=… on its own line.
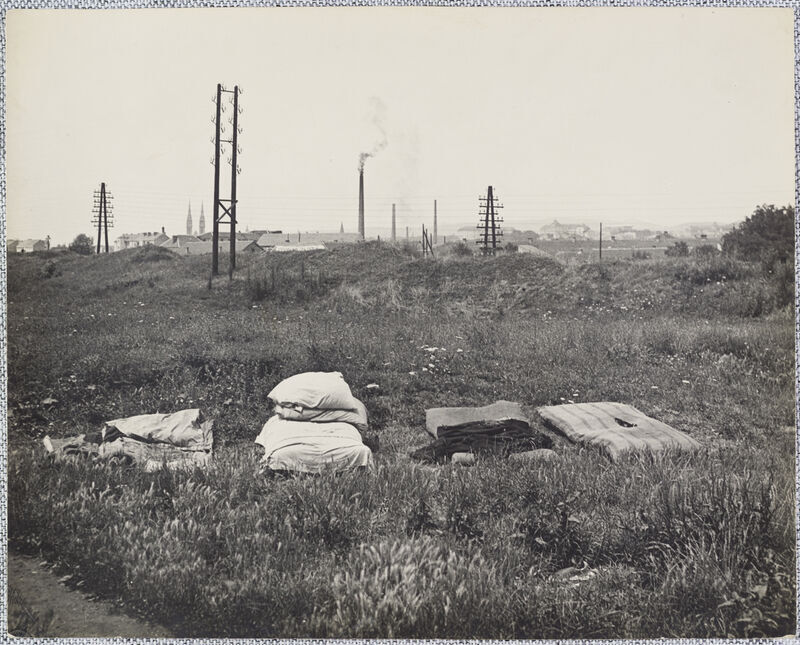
x=305, y=446
x=182, y=439
x=502, y=438
x=436, y=418
x=357, y=417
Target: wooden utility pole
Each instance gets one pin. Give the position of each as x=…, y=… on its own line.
x=489, y=223
x=215, y=227
x=227, y=206
x=234, y=172
x=427, y=242
x=435, y=225
x=601, y=241
x=100, y=212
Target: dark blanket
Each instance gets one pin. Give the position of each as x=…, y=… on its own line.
x=501, y=437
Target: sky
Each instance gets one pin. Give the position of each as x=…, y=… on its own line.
x=650, y=116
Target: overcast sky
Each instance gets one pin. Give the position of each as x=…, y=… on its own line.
x=594, y=114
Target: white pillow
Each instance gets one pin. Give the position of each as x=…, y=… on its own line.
x=320, y=390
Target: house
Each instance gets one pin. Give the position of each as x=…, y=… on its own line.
x=180, y=240
x=304, y=241
x=558, y=231
x=11, y=246
x=31, y=246
x=133, y=240
x=205, y=247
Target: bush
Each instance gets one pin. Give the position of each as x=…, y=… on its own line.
x=705, y=251
x=766, y=236
x=462, y=249
x=82, y=244
x=679, y=249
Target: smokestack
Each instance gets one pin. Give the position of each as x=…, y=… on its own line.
x=361, y=202
x=435, y=229
x=394, y=230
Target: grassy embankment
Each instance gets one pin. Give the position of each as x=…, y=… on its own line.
x=682, y=545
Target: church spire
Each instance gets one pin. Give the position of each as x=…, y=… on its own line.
x=202, y=224
x=189, y=220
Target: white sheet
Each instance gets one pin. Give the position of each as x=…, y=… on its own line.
x=308, y=447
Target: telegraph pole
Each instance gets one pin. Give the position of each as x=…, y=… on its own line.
x=100, y=214
x=226, y=206
x=601, y=241
x=489, y=223
x=215, y=227
x=234, y=172
x=435, y=227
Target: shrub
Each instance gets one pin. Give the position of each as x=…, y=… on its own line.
x=705, y=251
x=82, y=244
x=767, y=235
x=679, y=249
x=462, y=249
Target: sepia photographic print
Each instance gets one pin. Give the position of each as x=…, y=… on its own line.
x=400, y=322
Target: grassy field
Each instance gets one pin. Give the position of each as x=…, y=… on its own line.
x=679, y=545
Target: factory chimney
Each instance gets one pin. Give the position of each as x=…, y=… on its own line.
x=361, y=202
x=394, y=229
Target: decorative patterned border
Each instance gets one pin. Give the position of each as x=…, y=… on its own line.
x=5, y=5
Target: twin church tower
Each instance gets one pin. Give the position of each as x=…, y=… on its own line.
x=201, y=226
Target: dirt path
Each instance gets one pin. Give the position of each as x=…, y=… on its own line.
x=73, y=614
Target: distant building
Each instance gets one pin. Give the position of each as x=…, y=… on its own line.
x=177, y=241
x=189, y=220
x=11, y=246
x=558, y=231
x=134, y=240
x=201, y=227
x=31, y=246
x=293, y=241
x=206, y=247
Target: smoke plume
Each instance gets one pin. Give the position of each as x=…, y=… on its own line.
x=378, y=120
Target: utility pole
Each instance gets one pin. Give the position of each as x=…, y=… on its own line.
x=100, y=215
x=489, y=223
x=435, y=227
x=601, y=241
x=227, y=206
x=427, y=242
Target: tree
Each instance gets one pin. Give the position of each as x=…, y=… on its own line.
x=766, y=236
x=82, y=244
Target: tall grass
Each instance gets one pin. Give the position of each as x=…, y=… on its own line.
x=698, y=545
x=407, y=552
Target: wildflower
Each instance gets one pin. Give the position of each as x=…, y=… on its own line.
x=373, y=386
x=412, y=373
